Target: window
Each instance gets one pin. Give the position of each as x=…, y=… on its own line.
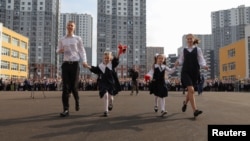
x=5, y=51
x=231, y=66
x=14, y=54
x=14, y=66
x=15, y=41
x=231, y=53
x=6, y=38
x=23, y=56
x=5, y=65
x=23, y=68
x=224, y=67
x=23, y=45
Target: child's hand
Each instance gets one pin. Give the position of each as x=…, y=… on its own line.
x=61, y=50
x=85, y=65
x=205, y=67
x=176, y=64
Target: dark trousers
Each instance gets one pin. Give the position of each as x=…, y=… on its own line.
x=134, y=86
x=200, y=88
x=70, y=78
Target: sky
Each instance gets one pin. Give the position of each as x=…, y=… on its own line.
x=167, y=20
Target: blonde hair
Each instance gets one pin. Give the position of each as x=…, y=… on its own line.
x=195, y=40
x=108, y=53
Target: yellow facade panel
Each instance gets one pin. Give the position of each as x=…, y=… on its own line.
x=233, y=61
x=18, y=48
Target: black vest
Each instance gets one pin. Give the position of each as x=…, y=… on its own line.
x=191, y=62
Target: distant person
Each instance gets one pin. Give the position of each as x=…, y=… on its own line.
x=134, y=76
x=200, y=85
x=1, y=83
x=191, y=59
x=71, y=46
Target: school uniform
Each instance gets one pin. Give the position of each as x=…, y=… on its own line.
x=191, y=59
x=108, y=80
x=158, y=84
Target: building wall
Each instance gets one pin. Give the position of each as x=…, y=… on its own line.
x=228, y=27
x=14, y=54
x=38, y=20
x=239, y=59
x=121, y=21
x=247, y=46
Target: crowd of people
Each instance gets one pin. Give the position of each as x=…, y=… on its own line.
x=90, y=84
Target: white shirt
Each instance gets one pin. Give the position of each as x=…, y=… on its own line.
x=201, y=60
x=73, y=48
x=162, y=68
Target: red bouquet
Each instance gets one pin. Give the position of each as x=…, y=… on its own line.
x=146, y=77
x=122, y=48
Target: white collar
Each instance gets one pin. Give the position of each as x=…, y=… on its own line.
x=103, y=66
x=191, y=47
x=161, y=67
x=157, y=65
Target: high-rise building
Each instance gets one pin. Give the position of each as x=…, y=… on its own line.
x=228, y=26
x=123, y=21
x=171, y=59
x=38, y=20
x=84, y=29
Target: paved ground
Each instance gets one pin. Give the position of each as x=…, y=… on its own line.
x=132, y=119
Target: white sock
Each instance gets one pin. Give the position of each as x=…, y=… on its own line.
x=106, y=101
x=156, y=101
x=111, y=99
x=162, y=103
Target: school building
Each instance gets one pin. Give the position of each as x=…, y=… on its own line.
x=14, y=49
x=233, y=62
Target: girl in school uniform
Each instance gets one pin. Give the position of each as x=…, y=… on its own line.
x=108, y=82
x=158, y=84
x=191, y=59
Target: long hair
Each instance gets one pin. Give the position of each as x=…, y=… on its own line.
x=195, y=39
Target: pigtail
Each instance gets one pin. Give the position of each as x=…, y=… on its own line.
x=196, y=41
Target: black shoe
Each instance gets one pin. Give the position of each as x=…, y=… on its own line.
x=105, y=114
x=65, y=113
x=197, y=112
x=163, y=113
x=77, y=108
x=156, y=109
x=110, y=107
x=184, y=107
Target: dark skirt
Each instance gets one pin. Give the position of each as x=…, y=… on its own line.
x=158, y=89
x=189, y=78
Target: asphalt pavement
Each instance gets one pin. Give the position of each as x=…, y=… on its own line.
x=24, y=118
